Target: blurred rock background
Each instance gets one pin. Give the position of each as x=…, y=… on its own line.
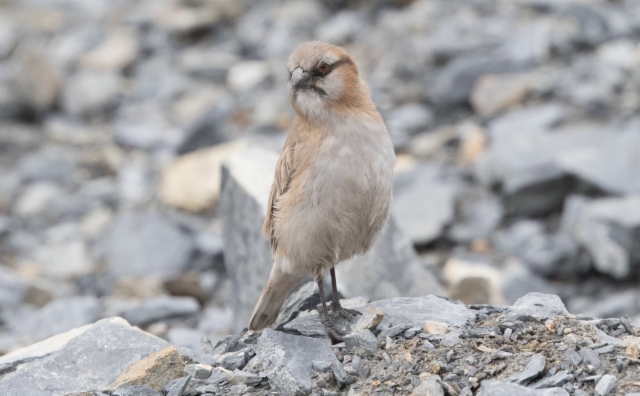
x=516, y=125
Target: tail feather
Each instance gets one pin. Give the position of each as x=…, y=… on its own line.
x=268, y=307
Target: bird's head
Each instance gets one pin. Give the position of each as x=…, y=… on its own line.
x=322, y=77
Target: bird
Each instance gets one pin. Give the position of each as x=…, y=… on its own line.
x=332, y=189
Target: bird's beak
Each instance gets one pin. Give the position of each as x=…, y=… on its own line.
x=299, y=77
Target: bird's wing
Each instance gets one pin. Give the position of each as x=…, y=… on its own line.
x=284, y=171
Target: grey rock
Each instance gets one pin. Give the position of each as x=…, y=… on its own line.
x=429, y=387
x=605, y=349
x=534, y=368
x=538, y=305
x=479, y=216
x=144, y=244
x=159, y=308
x=606, y=385
x=556, y=380
x=179, y=386
x=46, y=165
x=91, y=93
x=56, y=317
x=573, y=356
x=590, y=358
x=518, y=281
x=405, y=121
x=288, y=360
x=135, y=390
x=499, y=388
x=412, y=312
x=424, y=203
x=233, y=360
x=13, y=289
x=8, y=38
x=544, y=253
x=608, y=229
x=361, y=340
x=455, y=81
x=87, y=360
x=246, y=181
x=604, y=337
x=307, y=324
x=307, y=297
x=612, y=305
x=610, y=166
x=198, y=371
x=37, y=79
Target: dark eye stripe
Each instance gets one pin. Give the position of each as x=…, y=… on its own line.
x=331, y=67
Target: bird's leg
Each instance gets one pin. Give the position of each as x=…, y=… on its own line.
x=335, y=302
x=328, y=326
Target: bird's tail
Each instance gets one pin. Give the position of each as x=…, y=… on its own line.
x=266, y=311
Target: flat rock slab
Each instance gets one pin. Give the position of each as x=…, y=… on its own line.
x=412, y=312
x=534, y=368
x=499, y=388
x=87, y=359
x=288, y=360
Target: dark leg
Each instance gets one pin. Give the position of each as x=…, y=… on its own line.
x=325, y=314
x=335, y=302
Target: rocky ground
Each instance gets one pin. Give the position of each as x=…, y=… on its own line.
x=138, y=140
x=422, y=346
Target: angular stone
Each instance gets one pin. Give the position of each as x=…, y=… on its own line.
x=590, y=357
x=307, y=297
x=492, y=93
x=573, y=356
x=534, y=368
x=144, y=244
x=38, y=80
x=556, y=380
x=429, y=387
x=406, y=121
x=155, y=370
x=159, y=308
x=91, y=93
x=179, y=386
x=361, y=340
x=606, y=385
x=198, y=371
x=288, y=359
x=81, y=360
x=538, y=305
x=246, y=182
x=370, y=319
x=609, y=229
x=499, y=388
x=412, y=312
x=434, y=327
x=424, y=203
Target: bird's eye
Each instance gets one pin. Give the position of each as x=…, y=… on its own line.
x=323, y=68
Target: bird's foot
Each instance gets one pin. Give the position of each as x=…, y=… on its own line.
x=332, y=332
x=344, y=312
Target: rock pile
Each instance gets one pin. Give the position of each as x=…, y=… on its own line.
x=422, y=346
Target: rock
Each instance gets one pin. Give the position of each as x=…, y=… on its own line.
x=608, y=229
x=287, y=360
x=146, y=243
x=307, y=324
x=154, y=370
x=99, y=351
x=64, y=260
x=606, y=385
x=160, y=308
x=534, y=368
x=413, y=312
x=361, y=340
x=370, y=319
x=179, y=386
x=246, y=182
x=424, y=203
x=611, y=165
x=518, y=281
x=233, y=360
x=91, y=93
x=247, y=75
x=556, y=380
x=455, y=82
x=306, y=298
x=198, y=371
x=56, y=317
x=132, y=390
x=49, y=165
x=340, y=28
x=429, y=387
x=538, y=305
x=8, y=38
x=434, y=327
x=590, y=358
x=118, y=50
x=473, y=282
x=499, y=388
x=573, y=356
x=37, y=79
x=478, y=217
x=407, y=120
x=37, y=198
x=192, y=182
x=492, y=94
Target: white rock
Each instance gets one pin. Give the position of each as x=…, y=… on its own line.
x=36, y=198
x=246, y=75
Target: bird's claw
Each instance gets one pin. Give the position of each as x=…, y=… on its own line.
x=333, y=332
x=344, y=312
